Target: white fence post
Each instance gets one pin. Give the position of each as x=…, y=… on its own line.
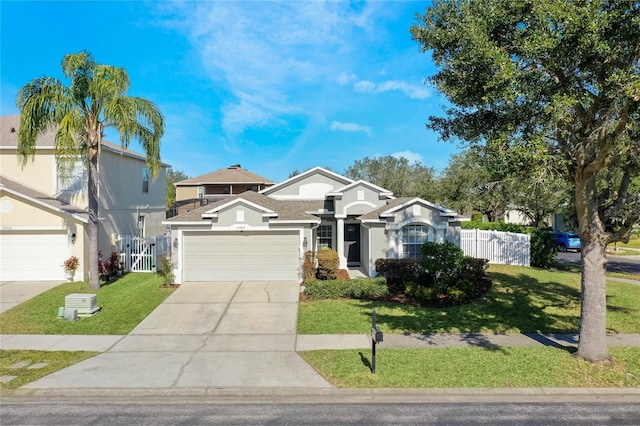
x=497, y=247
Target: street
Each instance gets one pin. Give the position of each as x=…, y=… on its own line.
x=624, y=264
x=193, y=412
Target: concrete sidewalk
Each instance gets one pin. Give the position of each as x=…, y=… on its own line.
x=303, y=342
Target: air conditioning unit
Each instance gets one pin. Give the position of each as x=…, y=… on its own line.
x=85, y=304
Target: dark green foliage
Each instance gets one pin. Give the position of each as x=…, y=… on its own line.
x=359, y=288
x=496, y=226
x=328, y=264
x=397, y=272
x=442, y=262
x=473, y=269
x=543, y=249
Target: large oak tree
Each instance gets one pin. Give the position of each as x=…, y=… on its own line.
x=559, y=79
x=96, y=98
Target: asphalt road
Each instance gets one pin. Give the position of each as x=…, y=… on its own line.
x=210, y=413
x=625, y=264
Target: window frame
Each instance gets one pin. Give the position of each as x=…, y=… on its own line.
x=411, y=243
x=319, y=238
x=146, y=177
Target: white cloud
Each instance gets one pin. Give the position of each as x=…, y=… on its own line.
x=345, y=78
x=413, y=91
x=266, y=53
x=350, y=127
x=413, y=157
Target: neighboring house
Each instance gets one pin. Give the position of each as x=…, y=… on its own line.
x=215, y=186
x=43, y=214
x=263, y=236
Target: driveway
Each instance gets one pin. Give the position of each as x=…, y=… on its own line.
x=222, y=335
x=13, y=293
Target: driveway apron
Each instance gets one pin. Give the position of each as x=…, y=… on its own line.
x=209, y=334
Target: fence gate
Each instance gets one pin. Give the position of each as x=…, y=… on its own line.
x=141, y=254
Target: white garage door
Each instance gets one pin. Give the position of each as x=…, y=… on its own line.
x=241, y=256
x=32, y=256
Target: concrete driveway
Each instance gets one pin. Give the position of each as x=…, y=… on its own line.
x=222, y=335
x=13, y=293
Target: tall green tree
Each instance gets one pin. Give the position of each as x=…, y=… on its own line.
x=396, y=174
x=173, y=176
x=559, y=79
x=96, y=98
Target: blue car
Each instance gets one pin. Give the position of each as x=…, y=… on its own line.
x=566, y=240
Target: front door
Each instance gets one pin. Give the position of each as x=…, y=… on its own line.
x=352, y=244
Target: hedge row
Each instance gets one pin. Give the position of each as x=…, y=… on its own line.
x=357, y=288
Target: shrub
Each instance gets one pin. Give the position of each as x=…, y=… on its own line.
x=496, y=226
x=360, y=288
x=397, y=272
x=473, y=269
x=442, y=262
x=165, y=270
x=543, y=249
x=309, y=266
x=426, y=295
x=343, y=275
x=328, y=264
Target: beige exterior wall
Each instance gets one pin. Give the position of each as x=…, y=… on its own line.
x=39, y=173
x=186, y=192
x=21, y=215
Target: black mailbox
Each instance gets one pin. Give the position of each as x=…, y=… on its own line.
x=376, y=334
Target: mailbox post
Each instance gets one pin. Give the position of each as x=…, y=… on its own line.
x=376, y=337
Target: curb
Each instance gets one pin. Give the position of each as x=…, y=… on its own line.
x=305, y=395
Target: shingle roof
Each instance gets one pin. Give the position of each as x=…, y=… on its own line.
x=230, y=175
x=43, y=198
x=10, y=127
x=287, y=210
x=375, y=214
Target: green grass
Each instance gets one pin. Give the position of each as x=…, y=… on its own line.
x=521, y=300
x=633, y=243
x=125, y=303
x=475, y=367
x=613, y=275
x=55, y=361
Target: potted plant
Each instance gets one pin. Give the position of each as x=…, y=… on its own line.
x=70, y=267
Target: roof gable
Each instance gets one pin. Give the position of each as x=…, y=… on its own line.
x=375, y=188
x=396, y=205
x=312, y=184
x=42, y=199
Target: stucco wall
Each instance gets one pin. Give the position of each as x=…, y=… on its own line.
x=308, y=188
x=39, y=173
x=358, y=200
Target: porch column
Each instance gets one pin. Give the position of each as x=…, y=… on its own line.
x=340, y=242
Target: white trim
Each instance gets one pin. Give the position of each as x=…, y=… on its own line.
x=32, y=228
x=40, y=203
x=356, y=203
x=375, y=188
x=214, y=211
x=414, y=220
x=303, y=175
x=443, y=211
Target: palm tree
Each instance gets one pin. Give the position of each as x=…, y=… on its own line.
x=95, y=99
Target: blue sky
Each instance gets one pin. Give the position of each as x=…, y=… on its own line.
x=273, y=86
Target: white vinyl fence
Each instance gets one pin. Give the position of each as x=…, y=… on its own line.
x=141, y=254
x=507, y=248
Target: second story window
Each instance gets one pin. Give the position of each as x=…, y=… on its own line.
x=145, y=179
x=72, y=176
x=201, y=192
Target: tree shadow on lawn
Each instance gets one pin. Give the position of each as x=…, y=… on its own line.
x=514, y=304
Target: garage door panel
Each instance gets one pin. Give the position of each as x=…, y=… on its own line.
x=28, y=256
x=241, y=256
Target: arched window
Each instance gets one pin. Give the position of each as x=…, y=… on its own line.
x=413, y=236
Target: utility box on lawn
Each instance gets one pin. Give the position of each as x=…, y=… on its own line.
x=85, y=304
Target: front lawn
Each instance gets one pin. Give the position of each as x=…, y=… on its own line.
x=474, y=367
x=125, y=303
x=28, y=366
x=521, y=300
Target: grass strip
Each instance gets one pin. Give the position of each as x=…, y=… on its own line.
x=475, y=367
x=522, y=300
x=54, y=361
x=125, y=303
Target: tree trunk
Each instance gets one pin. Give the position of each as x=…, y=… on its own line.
x=593, y=310
x=92, y=195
